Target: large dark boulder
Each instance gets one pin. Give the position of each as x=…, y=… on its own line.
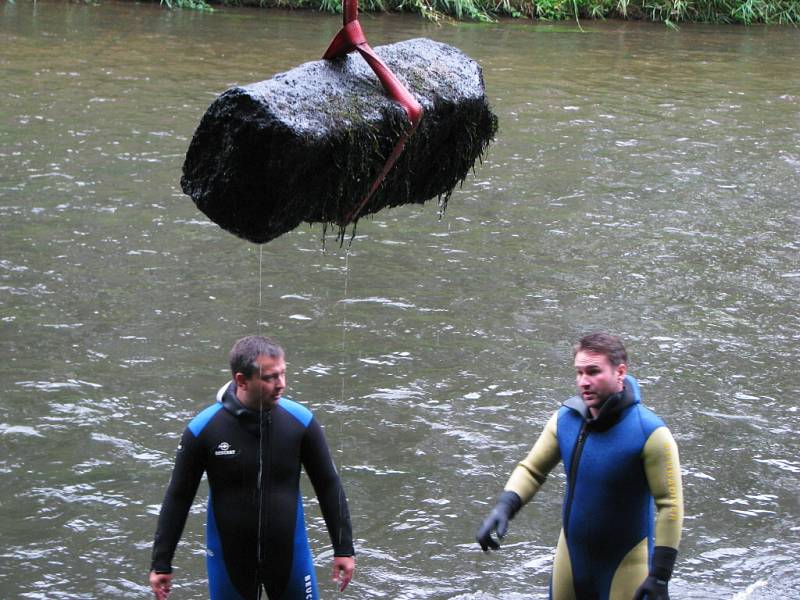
x=307, y=144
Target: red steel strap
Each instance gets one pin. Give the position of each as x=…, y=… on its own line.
x=351, y=38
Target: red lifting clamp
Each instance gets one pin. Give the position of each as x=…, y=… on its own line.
x=350, y=38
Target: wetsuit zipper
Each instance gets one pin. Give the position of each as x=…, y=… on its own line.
x=263, y=484
x=573, y=472
x=268, y=459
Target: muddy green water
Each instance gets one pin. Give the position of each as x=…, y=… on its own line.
x=643, y=181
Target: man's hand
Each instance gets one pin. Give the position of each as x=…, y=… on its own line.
x=653, y=588
x=160, y=583
x=507, y=506
x=496, y=521
x=343, y=567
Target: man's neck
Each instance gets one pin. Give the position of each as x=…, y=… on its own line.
x=595, y=410
x=242, y=398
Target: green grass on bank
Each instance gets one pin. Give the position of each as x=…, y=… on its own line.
x=666, y=11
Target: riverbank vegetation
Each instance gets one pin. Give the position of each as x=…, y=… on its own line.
x=670, y=12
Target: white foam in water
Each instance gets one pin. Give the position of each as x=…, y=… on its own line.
x=5, y=428
x=378, y=300
x=749, y=590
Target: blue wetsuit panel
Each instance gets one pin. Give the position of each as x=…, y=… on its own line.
x=220, y=586
x=302, y=582
x=298, y=411
x=197, y=424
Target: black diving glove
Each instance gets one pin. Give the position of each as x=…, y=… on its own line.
x=507, y=506
x=654, y=586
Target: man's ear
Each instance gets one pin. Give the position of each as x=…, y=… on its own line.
x=241, y=380
x=622, y=370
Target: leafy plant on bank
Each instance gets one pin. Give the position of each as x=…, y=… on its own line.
x=191, y=4
x=665, y=11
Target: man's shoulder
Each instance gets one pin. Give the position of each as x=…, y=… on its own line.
x=572, y=407
x=202, y=418
x=302, y=414
x=649, y=420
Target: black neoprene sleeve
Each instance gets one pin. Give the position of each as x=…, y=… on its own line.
x=178, y=499
x=663, y=562
x=328, y=488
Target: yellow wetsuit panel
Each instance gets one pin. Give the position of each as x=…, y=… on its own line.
x=531, y=472
x=663, y=471
x=630, y=573
x=561, y=584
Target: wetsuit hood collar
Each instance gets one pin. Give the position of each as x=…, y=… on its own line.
x=227, y=396
x=612, y=408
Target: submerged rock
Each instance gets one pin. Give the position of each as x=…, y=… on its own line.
x=306, y=145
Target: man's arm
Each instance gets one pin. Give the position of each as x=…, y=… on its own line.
x=531, y=472
x=663, y=470
x=186, y=475
x=525, y=481
x=317, y=462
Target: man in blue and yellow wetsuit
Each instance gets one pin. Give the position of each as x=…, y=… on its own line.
x=251, y=444
x=622, y=466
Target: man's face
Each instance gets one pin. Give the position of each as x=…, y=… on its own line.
x=265, y=386
x=597, y=379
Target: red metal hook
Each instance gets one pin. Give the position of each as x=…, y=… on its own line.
x=351, y=38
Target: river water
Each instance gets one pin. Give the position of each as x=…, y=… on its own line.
x=643, y=181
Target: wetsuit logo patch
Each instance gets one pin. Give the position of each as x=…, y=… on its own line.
x=225, y=449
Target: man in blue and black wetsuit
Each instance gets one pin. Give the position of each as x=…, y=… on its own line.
x=622, y=466
x=251, y=444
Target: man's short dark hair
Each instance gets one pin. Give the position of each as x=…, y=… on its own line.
x=245, y=352
x=603, y=343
